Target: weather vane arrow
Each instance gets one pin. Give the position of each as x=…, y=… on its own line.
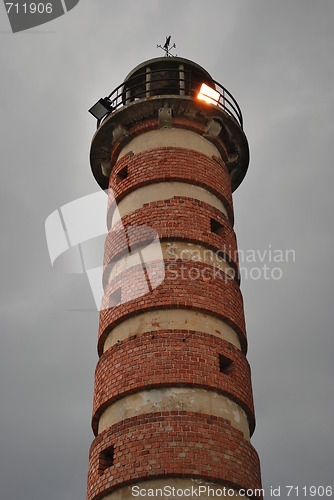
x=167, y=47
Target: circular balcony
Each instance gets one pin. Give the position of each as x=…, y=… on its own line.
x=171, y=77
x=169, y=89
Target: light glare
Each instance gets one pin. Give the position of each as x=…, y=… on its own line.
x=208, y=94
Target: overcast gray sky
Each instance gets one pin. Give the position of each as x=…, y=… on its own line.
x=276, y=57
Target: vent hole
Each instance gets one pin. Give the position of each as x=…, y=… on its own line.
x=216, y=227
x=115, y=298
x=225, y=364
x=123, y=173
x=106, y=459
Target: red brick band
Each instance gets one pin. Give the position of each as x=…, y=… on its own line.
x=172, y=444
x=180, y=218
x=171, y=164
x=210, y=291
x=171, y=358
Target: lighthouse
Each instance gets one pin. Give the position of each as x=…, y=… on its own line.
x=173, y=406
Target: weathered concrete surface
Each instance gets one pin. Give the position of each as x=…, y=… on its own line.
x=164, y=191
x=173, y=137
x=171, y=250
x=175, y=398
x=167, y=319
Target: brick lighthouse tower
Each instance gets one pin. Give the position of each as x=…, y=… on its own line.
x=173, y=405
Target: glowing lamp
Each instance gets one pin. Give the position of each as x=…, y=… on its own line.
x=208, y=94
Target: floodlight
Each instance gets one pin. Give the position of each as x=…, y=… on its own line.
x=208, y=94
x=101, y=108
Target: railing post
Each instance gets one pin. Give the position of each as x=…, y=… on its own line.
x=148, y=82
x=181, y=79
x=127, y=95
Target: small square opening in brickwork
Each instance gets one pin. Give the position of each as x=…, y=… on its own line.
x=225, y=364
x=106, y=459
x=115, y=298
x=216, y=227
x=123, y=173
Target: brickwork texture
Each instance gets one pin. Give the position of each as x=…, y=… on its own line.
x=172, y=443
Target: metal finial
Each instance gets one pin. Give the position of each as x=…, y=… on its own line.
x=166, y=48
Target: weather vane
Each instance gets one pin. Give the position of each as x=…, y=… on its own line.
x=166, y=48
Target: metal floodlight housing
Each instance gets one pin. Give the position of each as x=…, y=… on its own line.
x=101, y=108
